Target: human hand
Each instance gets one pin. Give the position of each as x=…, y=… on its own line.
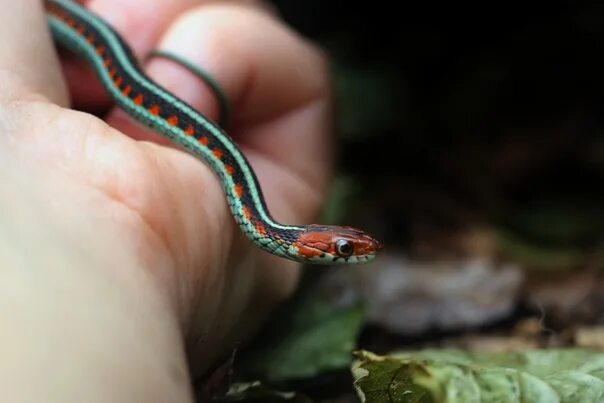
x=156, y=207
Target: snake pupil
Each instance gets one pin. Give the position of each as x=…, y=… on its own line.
x=344, y=248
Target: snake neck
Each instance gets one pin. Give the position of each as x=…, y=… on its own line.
x=256, y=223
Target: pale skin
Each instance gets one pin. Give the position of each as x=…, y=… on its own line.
x=122, y=273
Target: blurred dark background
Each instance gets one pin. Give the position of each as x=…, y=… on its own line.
x=460, y=115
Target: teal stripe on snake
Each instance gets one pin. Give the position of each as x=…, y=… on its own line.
x=76, y=28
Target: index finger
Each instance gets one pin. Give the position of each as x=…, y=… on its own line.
x=278, y=83
x=140, y=22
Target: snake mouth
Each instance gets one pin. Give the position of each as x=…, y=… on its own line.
x=353, y=259
x=327, y=258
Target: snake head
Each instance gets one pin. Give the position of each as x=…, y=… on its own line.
x=329, y=244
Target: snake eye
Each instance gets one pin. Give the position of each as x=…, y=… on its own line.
x=344, y=247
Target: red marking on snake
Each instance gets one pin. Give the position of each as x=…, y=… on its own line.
x=90, y=39
x=154, y=110
x=81, y=29
x=172, y=120
x=239, y=190
x=112, y=72
x=126, y=91
x=107, y=62
x=190, y=131
x=260, y=228
x=229, y=168
x=118, y=82
x=246, y=212
x=139, y=99
x=100, y=50
x=204, y=140
x=218, y=153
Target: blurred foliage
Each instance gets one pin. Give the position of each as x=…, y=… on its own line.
x=255, y=392
x=306, y=338
x=433, y=376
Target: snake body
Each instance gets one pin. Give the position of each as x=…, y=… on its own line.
x=79, y=30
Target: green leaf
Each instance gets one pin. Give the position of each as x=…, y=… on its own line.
x=255, y=392
x=454, y=376
x=310, y=336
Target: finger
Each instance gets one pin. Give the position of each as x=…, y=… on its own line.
x=28, y=64
x=265, y=68
x=195, y=37
x=140, y=23
x=279, y=86
x=277, y=83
